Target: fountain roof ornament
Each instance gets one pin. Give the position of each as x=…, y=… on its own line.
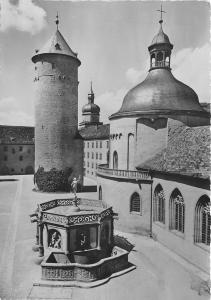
x=161, y=94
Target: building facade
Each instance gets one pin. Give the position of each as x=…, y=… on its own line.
x=157, y=176
x=16, y=150
x=96, y=148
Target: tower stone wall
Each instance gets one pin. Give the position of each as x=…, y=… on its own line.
x=56, y=113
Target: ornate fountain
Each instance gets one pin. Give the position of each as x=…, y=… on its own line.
x=75, y=241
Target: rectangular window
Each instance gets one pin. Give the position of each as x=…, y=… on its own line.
x=29, y=151
x=92, y=165
x=107, y=144
x=92, y=154
x=100, y=144
x=21, y=158
x=100, y=156
x=13, y=150
x=5, y=148
x=87, y=164
x=96, y=155
x=20, y=148
x=5, y=158
x=88, y=145
x=87, y=154
x=93, y=144
x=96, y=144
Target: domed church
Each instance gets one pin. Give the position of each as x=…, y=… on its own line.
x=157, y=178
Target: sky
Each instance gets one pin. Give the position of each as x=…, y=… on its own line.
x=111, y=39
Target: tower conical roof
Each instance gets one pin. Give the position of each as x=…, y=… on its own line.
x=56, y=45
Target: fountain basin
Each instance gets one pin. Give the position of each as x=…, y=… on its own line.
x=58, y=266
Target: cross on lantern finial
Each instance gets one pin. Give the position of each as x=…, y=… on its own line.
x=57, y=20
x=91, y=88
x=161, y=14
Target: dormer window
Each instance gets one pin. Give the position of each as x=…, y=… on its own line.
x=57, y=46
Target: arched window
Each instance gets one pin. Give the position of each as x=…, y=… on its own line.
x=100, y=193
x=135, y=203
x=115, y=160
x=153, y=60
x=177, y=211
x=202, y=221
x=159, y=205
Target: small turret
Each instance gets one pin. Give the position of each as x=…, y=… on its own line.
x=91, y=111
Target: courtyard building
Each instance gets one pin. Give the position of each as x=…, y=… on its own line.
x=157, y=178
x=16, y=150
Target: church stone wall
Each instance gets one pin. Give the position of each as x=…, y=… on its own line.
x=149, y=142
x=182, y=244
x=118, y=194
x=119, y=130
x=56, y=112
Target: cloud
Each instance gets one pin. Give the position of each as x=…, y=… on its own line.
x=12, y=114
x=135, y=76
x=192, y=67
x=110, y=102
x=22, y=15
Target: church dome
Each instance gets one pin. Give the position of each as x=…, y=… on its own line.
x=91, y=108
x=161, y=94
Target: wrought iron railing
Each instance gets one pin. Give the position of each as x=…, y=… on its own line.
x=139, y=175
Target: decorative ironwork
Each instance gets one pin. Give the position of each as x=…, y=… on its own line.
x=55, y=218
x=83, y=219
x=48, y=205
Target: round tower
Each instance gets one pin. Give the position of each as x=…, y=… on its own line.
x=57, y=142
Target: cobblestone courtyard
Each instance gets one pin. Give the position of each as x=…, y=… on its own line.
x=158, y=275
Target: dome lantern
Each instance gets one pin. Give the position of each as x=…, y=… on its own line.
x=160, y=48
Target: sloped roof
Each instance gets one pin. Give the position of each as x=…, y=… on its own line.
x=16, y=135
x=95, y=132
x=56, y=45
x=187, y=152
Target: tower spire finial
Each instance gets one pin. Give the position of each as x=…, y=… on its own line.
x=57, y=20
x=161, y=14
x=91, y=88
